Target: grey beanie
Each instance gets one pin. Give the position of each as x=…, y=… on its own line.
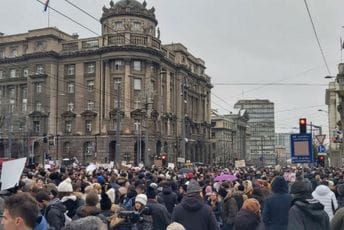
x=193, y=187
x=301, y=187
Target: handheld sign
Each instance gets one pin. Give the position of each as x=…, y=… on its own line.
x=11, y=172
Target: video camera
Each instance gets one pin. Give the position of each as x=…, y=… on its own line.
x=133, y=216
x=130, y=216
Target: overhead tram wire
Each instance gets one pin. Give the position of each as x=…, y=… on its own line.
x=317, y=38
x=270, y=84
x=71, y=19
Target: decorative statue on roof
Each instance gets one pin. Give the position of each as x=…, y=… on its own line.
x=111, y=3
x=144, y=3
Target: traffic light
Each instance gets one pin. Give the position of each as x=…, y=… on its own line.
x=321, y=161
x=164, y=160
x=303, y=125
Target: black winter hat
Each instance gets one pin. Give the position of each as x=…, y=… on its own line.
x=301, y=187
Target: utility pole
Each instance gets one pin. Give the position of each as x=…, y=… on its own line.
x=118, y=129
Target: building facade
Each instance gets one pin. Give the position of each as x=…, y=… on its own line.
x=66, y=97
x=229, y=135
x=262, y=131
x=334, y=100
x=282, y=147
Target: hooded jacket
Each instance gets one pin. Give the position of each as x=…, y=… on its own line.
x=55, y=214
x=169, y=198
x=246, y=220
x=327, y=198
x=308, y=215
x=193, y=214
x=277, y=205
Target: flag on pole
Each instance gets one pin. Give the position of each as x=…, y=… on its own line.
x=46, y=5
x=341, y=43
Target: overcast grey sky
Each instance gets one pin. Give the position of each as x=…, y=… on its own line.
x=240, y=41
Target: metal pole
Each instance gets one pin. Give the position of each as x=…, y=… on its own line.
x=118, y=128
x=139, y=158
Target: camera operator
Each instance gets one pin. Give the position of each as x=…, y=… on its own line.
x=139, y=219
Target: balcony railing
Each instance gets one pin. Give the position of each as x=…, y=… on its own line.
x=119, y=39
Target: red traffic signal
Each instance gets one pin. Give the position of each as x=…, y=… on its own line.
x=163, y=157
x=321, y=158
x=303, y=125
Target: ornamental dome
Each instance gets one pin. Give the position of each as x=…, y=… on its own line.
x=129, y=7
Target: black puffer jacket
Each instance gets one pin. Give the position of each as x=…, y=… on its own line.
x=193, y=214
x=169, y=197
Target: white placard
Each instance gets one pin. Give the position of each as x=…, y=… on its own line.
x=240, y=164
x=91, y=168
x=171, y=165
x=11, y=172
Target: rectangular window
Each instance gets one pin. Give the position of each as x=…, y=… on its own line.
x=13, y=73
x=118, y=65
x=71, y=69
x=137, y=65
x=136, y=26
x=90, y=85
x=1, y=92
x=12, y=92
x=90, y=67
x=90, y=105
x=70, y=106
x=38, y=87
x=24, y=105
x=68, y=126
x=38, y=106
x=26, y=72
x=24, y=92
x=37, y=126
x=137, y=83
x=119, y=25
x=88, y=126
x=2, y=54
x=116, y=82
x=137, y=104
x=1, y=74
x=12, y=105
x=14, y=52
x=40, y=69
x=70, y=87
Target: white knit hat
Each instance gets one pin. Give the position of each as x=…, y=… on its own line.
x=175, y=226
x=65, y=186
x=141, y=198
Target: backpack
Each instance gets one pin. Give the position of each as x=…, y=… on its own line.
x=63, y=218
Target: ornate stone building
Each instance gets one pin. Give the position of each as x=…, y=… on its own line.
x=73, y=91
x=230, y=135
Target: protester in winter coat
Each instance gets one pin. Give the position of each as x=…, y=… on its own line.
x=52, y=209
x=277, y=205
x=215, y=205
x=140, y=206
x=161, y=217
x=340, y=197
x=90, y=209
x=229, y=211
x=337, y=222
x=306, y=212
x=192, y=213
x=67, y=197
x=248, y=217
x=169, y=197
x=326, y=197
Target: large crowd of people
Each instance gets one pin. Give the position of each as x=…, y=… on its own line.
x=73, y=197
